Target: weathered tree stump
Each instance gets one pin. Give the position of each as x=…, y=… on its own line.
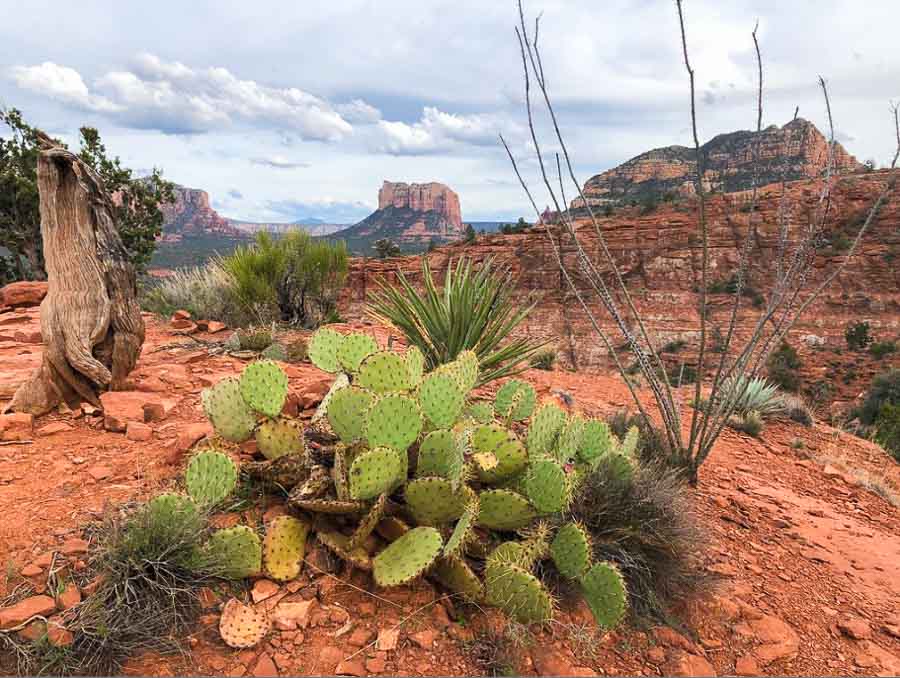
x=90, y=319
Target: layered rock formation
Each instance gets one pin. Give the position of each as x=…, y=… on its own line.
x=411, y=215
x=191, y=215
x=798, y=150
x=659, y=253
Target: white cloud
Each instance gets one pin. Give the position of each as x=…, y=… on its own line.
x=279, y=162
x=60, y=83
x=358, y=111
x=437, y=131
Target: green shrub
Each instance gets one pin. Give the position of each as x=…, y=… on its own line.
x=730, y=286
x=673, y=346
x=476, y=309
x=885, y=389
x=543, y=360
x=386, y=248
x=646, y=525
x=751, y=423
x=783, y=365
x=880, y=349
x=683, y=374
x=857, y=336
x=255, y=338
x=887, y=427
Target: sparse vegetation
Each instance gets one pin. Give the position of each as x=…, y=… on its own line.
x=386, y=248
x=783, y=366
x=858, y=336
x=797, y=410
x=885, y=389
x=887, y=429
x=750, y=423
x=498, y=652
x=477, y=309
x=545, y=360
x=207, y=292
x=753, y=395
x=881, y=349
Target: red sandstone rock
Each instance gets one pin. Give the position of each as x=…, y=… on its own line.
x=70, y=597
x=14, y=615
x=422, y=198
x=190, y=434
x=16, y=426
x=138, y=432
x=24, y=293
x=264, y=666
x=54, y=427
x=214, y=327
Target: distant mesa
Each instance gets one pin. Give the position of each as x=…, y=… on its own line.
x=798, y=150
x=412, y=215
x=191, y=215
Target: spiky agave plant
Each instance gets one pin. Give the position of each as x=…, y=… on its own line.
x=753, y=395
x=474, y=310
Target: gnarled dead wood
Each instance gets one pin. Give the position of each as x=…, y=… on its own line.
x=90, y=319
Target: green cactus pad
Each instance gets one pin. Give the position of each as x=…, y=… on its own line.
x=463, y=531
x=482, y=412
x=391, y=528
x=604, y=591
x=264, y=387
x=441, y=399
x=506, y=449
x=467, y=366
x=323, y=349
x=629, y=445
x=507, y=553
x=434, y=501
x=393, y=421
x=275, y=351
x=544, y=429
x=167, y=509
x=546, y=486
x=415, y=363
x=210, y=477
x=230, y=416
x=330, y=506
x=284, y=547
x=341, y=381
x=536, y=543
x=520, y=594
x=570, y=438
x=408, y=557
x=384, y=372
x=620, y=466
x=235, y=552
x=487, y=437
x=354, y=349
x=440, y=454
x=376, y=471
x=595, y=442
x=457, y=576
x=367, y=524
x=571, y=550
x=515, y=400
x=347, y=413
x=504, y=510
x=278, y=437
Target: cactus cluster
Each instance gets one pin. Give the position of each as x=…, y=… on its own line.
x=410, y=477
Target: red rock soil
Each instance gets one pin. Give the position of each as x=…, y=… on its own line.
x=807, y=560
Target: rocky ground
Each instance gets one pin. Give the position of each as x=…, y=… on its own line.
x=805, y=556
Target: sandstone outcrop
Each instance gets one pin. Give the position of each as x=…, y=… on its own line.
x=798, y=150
x=430, y=197
x=191, y=215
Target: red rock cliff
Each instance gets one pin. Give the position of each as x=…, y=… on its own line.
x=191, y=214
x=422, y=198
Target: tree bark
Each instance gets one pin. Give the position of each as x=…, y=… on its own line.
x=90, y=319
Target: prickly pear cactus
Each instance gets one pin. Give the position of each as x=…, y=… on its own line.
x=284, y=547
x=168, y=509
x=408, y=557
x=384, y=372
x=229, y=414
x=347, y=413
x=210, y=477
x=415, y=363
x=595, y=442
x=441, y=455
x=571, y=550
x=504, y=510
x=441, y=399
x=547, y=486
x=376, y=471
x=603, y=589
x=279, y=437
x=264, y=387
x=435, y=501
x=456, y=575
x=629, y=444
x=393, y=421
x=234, y=553
x=481, y=412
x=545, y=426
x=242, y=626
x=354, y=349
x=323, y=349
x=275, y=351
x=499, y=445
x=520, y=594
x=515, y=400
x=570, y=439
x=464, y=531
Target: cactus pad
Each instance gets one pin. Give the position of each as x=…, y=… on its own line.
x=544, y=429
x=515, y=400
x=235, y=552
x=275, y=351
x=340, y=382
x=393, y=421
x=570, y=438
x=509, y=453
x=504, y=510
x=230, y=416
x=434, y=501
x=384, y=372
x=168, y=509
x=415, y=363
x=339, y=473
x=620, y=466
x=339, y=544
x=463, y=531
x=482, y=412
x=376, y=471
x=571, y=551
x=369, y=522
x=277, y=437
x=629, y=445
x=264, y=387
x=347, y=413
x=604, y=591
x=440, y=454
x=520, y=594
x=441, y=399
x=323, y=349
x=408, y=557
x=354, y=349
x=595, y=442
x=546, y=486
x=335, y=507
x=242, y=626
x=458, y=577
x=467, y=367
x=210, y=477
x=284, y=547
x=391, y=528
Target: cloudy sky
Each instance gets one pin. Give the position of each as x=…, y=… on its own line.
x=288, y=110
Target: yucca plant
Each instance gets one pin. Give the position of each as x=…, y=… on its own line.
x=474, y=310
x=753, y=395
